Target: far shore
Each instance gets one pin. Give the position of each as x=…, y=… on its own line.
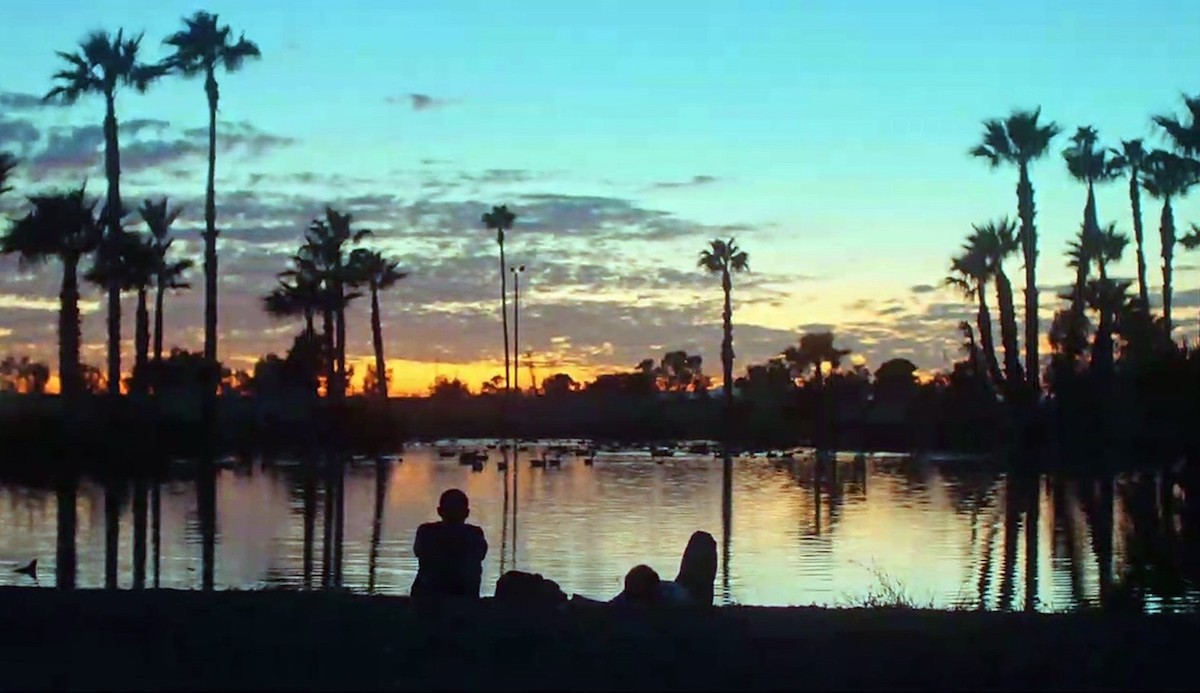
x=285, y=640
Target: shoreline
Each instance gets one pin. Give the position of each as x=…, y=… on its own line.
x=282, y=639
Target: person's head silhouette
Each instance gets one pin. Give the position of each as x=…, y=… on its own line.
x=642, y=585
x=453, y=506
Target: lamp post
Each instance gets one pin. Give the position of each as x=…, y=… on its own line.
x=516, y=272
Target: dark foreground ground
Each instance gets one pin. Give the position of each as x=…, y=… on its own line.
x=170, y=640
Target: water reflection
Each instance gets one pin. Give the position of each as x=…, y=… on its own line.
x=808, y=529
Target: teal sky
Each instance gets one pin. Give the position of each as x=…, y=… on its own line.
x=833, y=134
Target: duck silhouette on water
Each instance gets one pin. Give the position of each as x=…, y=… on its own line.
x=30, y=569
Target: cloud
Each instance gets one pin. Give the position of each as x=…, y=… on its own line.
x=73, y=151
x=691, y=183
x=923, y=288
x=419, y=102
x=18, y=134
x=17, y=101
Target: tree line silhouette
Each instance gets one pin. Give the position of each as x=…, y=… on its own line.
x=1126, y=351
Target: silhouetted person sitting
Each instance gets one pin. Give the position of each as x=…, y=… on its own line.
x=449, y=553
x=698, y=568
x=643, y=587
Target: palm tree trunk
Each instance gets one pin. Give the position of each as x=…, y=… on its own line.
x=156, y=529
x=330, y=360
x=141, y=341
x=210, y=224
x=1166, y=232
x=112, y=171
x=1008, y=331
x=341, y=338
x=308, y=323
x=504, y=307
x=1135, y=203
x=727, y=346
x=1026, y=211
x=377, y=342
x=159, y=294
x=986, y=339
x=68, y=328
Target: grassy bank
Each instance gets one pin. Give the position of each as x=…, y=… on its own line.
x=306, y=641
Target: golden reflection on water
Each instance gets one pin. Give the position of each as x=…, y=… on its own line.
x=800, y=532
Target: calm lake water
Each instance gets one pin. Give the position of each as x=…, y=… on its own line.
x=943, y=531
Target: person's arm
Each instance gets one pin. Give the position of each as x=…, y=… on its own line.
x=481, y=543
x=418, y=545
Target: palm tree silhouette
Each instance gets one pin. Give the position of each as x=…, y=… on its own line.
x=202, y=48
x=102, y=64
x=815, y=350
x=1184, y=136
x=997, y=240
x=1089, y=164
x=501, y=219
x=62, y=226
x=725, y=258
x=969, y=274
x=1132, y=159
x=369, y=267
x=132, y=269
x=159, y=217
x=1168, y=177
x=324, y=256
x=1019, y=140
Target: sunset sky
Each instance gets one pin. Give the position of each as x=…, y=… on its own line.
x=830, y=138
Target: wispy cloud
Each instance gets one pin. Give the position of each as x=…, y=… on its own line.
x=693, y=182
x=419, y=102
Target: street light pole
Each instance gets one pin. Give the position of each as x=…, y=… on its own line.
x=516, y=272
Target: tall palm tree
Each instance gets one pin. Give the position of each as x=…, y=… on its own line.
x=969, y=274
x=371, y=268
x=1089, y=164
x=997, y=241
x=133, y=269
x=1107, y=297
x=501, y=219
x=201, y=48
x=1168, y=177
x=299, y=296
x=1132, y=158
x=103, y=64
x=159, y=217
x=62, y=226
x=1020, y=140
x=324, y=253
x=725, y=258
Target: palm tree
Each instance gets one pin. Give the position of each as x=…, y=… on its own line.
x=997, y=241
x=62, y=226
x=1191, y=241
x=158, y=218
x=1184, y=136
x=302, y=296
x=376, y=272
x=815, y=350
x=102, y=64
x=1167, y=177
x=725, y=258
x=1020, y=140
x=969, y=274
x=133, y=269
x=1132, y=158
x=324, y=255
x=1089, y=164
x=200, y=49
x=501, y=219
x=8, y=162
x=1107, y=297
